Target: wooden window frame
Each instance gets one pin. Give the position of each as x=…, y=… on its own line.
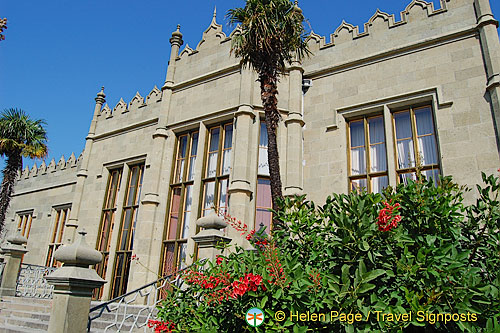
x=414, y=137
x=119, y=282
x=25, y=220
x=368, y=175
x=101, y=268
x=183, y=185
x=56, y=238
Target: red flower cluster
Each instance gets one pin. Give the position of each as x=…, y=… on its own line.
x=250, y=235
x=274, y=267
x=236, y=224
x=161, y=326
x=250, y=282
x=387, y=217
x=219, y=260
x=316, y=279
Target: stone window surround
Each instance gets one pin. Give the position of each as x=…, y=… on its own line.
x=21, y=213
x=386, y=106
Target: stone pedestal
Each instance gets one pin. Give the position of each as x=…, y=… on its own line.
x=211, y=238
x=13, y=253
x=73, y=286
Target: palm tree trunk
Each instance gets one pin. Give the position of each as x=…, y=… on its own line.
x=268, y=90
x=14, y=163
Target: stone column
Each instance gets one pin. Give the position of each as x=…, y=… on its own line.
x=488, y=36
x=153, y=205
x=13, y=253
x=210, y=237
x=82, y=172
x=244, y=152
x=294, y=124
x=73, y=284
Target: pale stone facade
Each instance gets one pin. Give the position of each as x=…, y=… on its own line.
x=447, y=59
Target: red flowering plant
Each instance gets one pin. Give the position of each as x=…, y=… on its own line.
x=413, y=248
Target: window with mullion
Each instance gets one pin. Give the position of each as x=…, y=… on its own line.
x=263, y=200
x=127, y=231
x=217, y=169
x=367, y=154
x=414, y=129
x=62, y=216
x=107, y=224
x=24, y=223
x=180, y=204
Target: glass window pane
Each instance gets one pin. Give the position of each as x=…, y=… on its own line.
x=358, y=161
x=403, y=125
x=406, y=154
x=264, y=202
x=132, y=186
x=357, y=132
x=181, y=263
x=214, y=139
x=228, y=136
x=379, y=183
x=139, y=185
x=223, y=185
x=378, y=158
x=358, y=185
x=376, y=129
x=427, y=150
x=208, y=199
x=424, y=121
x=174, y=213
x=263, y=167
x=168, y=259
x=226, y=162
x=127, y=223
x=192, y=159
x=187, y=210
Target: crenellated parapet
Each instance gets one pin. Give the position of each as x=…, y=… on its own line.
x=380, y=20
x=53, y=167
x=137, y=103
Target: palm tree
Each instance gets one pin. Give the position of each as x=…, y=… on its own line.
x=20, y=137
x=271, y=35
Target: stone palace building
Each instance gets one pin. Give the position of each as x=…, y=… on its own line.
x=372, y=103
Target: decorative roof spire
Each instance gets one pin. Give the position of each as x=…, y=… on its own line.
x=101, y=96
x=177, y=36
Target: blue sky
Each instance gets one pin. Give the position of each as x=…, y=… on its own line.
x=58, y=53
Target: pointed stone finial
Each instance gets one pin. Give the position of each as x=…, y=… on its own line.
x=101, y=96
x=215, y=12
x=176, y=38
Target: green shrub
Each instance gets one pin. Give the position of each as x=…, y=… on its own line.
x=409, y=259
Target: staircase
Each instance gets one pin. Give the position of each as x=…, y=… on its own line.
x=19, y=314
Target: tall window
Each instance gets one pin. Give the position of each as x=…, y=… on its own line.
x=62, y=215
x=264, y=200
x=217, y=169
x=24, y=221
x=415, y=133
x=367, y=155
x=127, y=230
x=106, y=225
x=180, y=203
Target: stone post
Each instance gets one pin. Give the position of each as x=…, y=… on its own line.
x=13, y=253
x=210, y=236
x=73, y=285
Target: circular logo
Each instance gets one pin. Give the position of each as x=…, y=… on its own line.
x=254, y=317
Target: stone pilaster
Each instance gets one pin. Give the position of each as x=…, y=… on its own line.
x=240, y=189
x=82, y=173
x=294, y=124
x=490, y=46
x=13, y=253
x=73, y=284
x=153, y=206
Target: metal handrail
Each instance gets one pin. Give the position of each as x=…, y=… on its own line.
x=138, y=292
